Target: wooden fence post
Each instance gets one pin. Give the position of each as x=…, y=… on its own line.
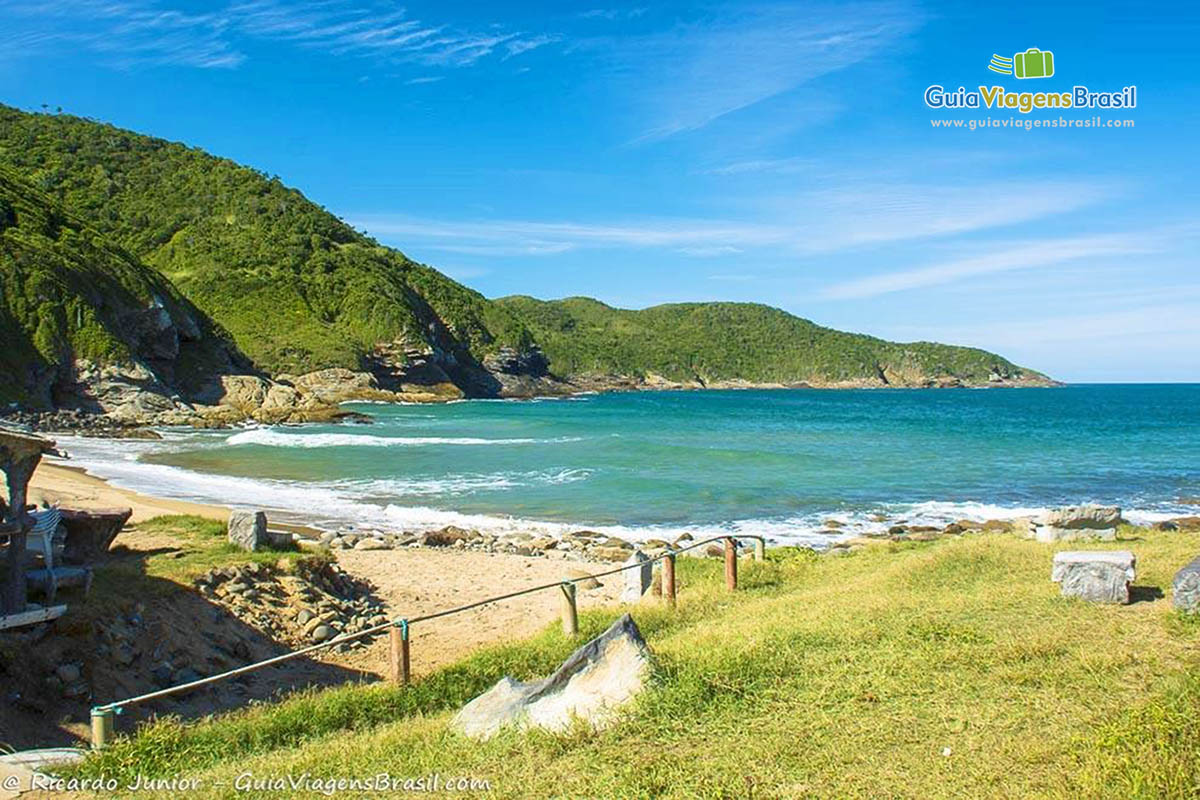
x=398, y=641
x=668, y=579
x=760, y=550
x=570, y=615
x=730, y=563
x=102, y=727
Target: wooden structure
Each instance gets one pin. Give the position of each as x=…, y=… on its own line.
x=19, y=457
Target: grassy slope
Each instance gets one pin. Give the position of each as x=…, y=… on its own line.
x=825, y=677
x=199, y=545
x=298, y=288
x=66, y=292
x=724, y=341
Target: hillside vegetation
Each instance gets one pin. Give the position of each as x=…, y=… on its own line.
x=299, y=290
x=68, y=293
x=932, y=670
x=735, y=341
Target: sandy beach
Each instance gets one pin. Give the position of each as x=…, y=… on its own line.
x=412, y=581
x=71, y=486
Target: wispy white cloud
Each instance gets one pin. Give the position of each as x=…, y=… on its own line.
x=127, y=32
x=807, y=224
x=612, y=13
x=778, y=166
x=1085, y=341
x=424, y=79
x=146, y=32
x=526, y=248
x=1009, y=257
x=531, y=236
x=706, y=68
x=519, y=45
x=861, y=213
x=711, y=252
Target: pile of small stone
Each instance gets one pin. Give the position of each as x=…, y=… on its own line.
x=576, y=545
x=314, y=603
x=74, y=420
x=67, y=679
x=905, y=532
x=129, y=642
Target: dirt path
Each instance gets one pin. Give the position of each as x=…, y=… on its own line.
x=419, y=581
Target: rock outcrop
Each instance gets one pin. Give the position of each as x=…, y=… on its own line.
x=91, y=531
x=1071, y=523
x=1178, y=524
x=1096, y=576
x=589, y=688
x=523, y=374
x=637, y=581
x=310, y=603
x=1185, y=589
x=248, y=530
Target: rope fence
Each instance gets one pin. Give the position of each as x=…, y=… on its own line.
x=104, y=716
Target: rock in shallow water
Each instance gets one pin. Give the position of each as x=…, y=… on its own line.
x=591, y=686
x=1097, y=576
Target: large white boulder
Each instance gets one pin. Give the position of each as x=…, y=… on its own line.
x=1071, y=523
x=638, y=578
x=248, y=529
x=591, y=686
x=1185, y=589
x=1095, y=575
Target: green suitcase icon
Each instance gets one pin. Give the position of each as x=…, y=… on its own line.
x=1033, y=63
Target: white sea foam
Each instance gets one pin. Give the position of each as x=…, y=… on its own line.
x=374, y=504
x=462, y=484
x=276, y=438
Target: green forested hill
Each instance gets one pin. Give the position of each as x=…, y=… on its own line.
x=67, y=293
x=296, y=287
x=735, y=341
x=299, y=290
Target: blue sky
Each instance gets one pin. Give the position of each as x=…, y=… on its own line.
x=779, y=153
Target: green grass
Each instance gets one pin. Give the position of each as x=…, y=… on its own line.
x=197, y=546
x=829, y=677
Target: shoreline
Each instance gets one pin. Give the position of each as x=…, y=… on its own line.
x=69, y=485
x=558, y=469
x=74, y=486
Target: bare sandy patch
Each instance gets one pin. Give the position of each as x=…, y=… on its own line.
x=418, y=581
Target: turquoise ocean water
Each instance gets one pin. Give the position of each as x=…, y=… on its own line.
x=654, y=463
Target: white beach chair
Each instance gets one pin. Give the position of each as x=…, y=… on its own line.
x=51, y=577
x=40, y=538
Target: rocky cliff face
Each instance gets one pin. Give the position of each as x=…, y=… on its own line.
x=89, y=328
